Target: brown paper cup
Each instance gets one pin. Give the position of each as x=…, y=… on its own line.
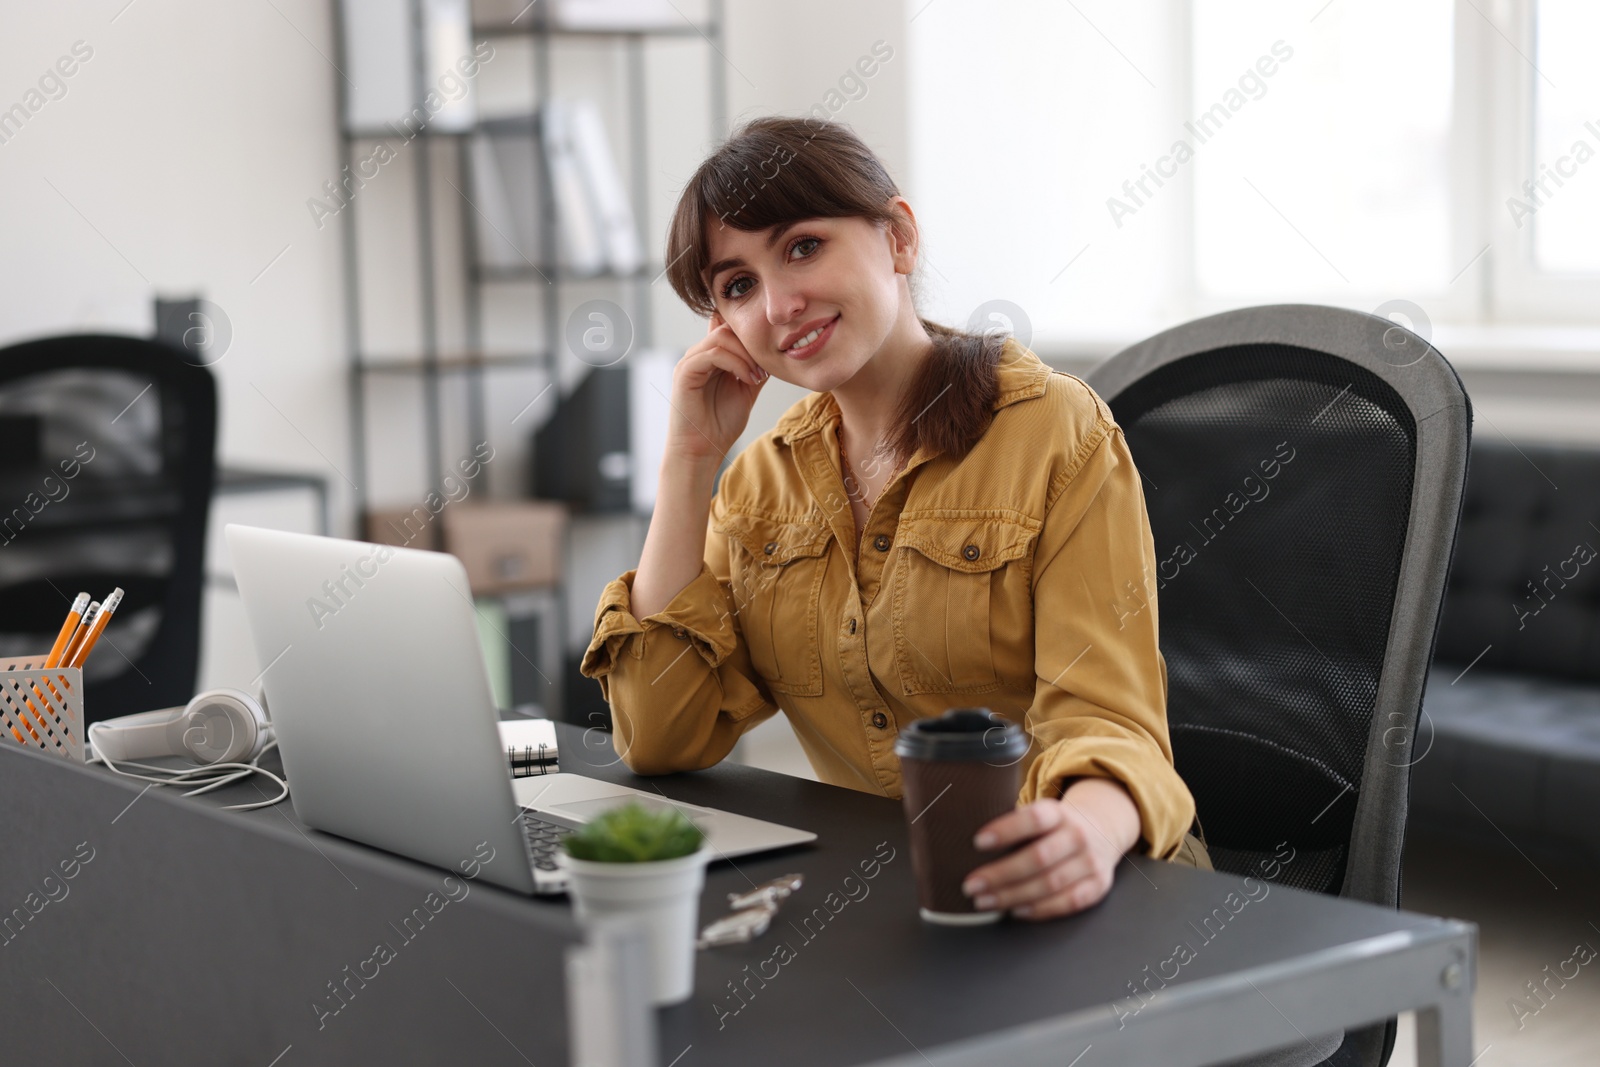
x=959, y=771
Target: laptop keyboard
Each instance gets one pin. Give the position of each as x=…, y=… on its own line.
x=543, y=838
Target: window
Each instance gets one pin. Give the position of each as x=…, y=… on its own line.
x=1115, y=168
x=1332, y=177
x=1561, y=196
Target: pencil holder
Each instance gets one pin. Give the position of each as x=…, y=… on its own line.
x=42, y=708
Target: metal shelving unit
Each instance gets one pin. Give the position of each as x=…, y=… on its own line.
x=433, y=363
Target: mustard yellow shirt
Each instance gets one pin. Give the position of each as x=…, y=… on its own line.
x=1020, y=578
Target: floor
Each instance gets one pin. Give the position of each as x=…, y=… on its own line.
x=1530, y=915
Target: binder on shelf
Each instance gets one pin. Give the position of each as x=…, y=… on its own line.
x=505, y=196
x=601, y=448
x=379, y=46
x=614, y=14
x=608, y=198
x=566, y=145
x=530, y=746
x=576, y=225
x=582, y=453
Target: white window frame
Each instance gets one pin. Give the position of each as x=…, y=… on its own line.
x=1518, y=291
x=1500, y=293
x=1500, y=310
x=1464, y=299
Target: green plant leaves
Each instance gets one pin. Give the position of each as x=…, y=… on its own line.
x=633, y=833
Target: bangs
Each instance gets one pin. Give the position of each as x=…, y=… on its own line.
x=772, y=172
x=775, y=171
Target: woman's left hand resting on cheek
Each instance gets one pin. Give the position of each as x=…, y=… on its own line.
x=1076, y=843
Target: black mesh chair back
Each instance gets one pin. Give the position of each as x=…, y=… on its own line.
x=107, y=458
x=1303, y=470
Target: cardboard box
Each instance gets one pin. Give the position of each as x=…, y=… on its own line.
x=414, y=527
x=507, y=544
x=504, y=544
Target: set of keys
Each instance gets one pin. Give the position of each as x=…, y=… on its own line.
x=752, y=912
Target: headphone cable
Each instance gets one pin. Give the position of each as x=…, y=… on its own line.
x=205, y=777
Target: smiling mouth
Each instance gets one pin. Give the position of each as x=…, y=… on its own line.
x=812, y=341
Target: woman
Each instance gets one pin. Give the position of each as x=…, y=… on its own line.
x=942, y=522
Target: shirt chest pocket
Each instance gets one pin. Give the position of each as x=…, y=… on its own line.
x=776, y=570
x=959, y=586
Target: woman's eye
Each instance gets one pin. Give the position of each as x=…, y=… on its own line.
x=730, y=290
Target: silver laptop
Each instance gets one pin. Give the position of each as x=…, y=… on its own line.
x=380, y=699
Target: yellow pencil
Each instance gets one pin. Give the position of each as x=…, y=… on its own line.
x=79, y=634
x=96, y=628
x=68, y=628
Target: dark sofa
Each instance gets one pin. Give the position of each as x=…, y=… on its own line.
x=1509, y=743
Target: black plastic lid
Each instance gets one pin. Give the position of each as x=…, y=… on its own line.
x=962, y=734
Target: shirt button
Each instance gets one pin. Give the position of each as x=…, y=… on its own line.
x=879, y=720
x=971, y=552
x=678, y=632
x=852, y=626
x=881, y=542
x=771, y=547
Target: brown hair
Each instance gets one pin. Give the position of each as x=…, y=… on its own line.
x=777, y=170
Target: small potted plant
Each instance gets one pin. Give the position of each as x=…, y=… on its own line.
x=646, y=862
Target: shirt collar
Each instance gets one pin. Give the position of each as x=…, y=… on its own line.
x=1021, y=376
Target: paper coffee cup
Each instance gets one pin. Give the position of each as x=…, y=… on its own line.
x=959, y=770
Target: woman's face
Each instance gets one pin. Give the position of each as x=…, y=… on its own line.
x=775, y=287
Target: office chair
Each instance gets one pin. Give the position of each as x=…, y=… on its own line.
x=107, y=457
x=1303, y=470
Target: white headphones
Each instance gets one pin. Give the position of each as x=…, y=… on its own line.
x=223, y=730
x=217, y=726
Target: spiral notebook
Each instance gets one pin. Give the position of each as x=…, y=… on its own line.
x=530, y=746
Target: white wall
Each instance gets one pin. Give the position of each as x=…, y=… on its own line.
x=183, y=152
x=180, y=159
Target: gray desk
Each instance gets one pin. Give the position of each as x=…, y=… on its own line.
x=149, y=949
x=194, y=936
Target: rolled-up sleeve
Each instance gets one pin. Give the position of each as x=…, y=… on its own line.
x=1101, y=685
x=679, y=682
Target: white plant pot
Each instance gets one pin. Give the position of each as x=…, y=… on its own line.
x=665, y=893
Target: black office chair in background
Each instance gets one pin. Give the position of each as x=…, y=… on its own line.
x=107, y=458
x=1303, y=470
